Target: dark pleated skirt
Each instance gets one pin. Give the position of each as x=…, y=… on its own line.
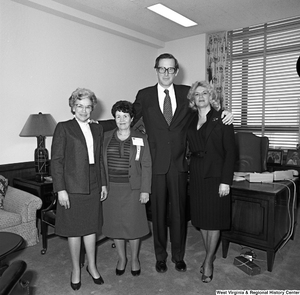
x=208, y=210
x=124, y=217
x=84, y=216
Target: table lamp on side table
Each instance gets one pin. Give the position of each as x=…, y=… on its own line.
x=40, y=125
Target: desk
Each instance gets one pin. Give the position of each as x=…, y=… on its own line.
x=260, y=216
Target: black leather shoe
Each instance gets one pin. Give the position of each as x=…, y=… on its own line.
x=76, y=286
x=98, y=281
x=161, y=266
x=179, y=265
x=136, y=273
x=120, y=272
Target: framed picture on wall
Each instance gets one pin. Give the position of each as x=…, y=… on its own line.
x=293, y=158
x=275, y=157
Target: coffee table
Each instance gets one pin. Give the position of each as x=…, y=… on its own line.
x=10, y=242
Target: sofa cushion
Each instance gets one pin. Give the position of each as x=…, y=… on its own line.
x=3, y=189
x=9, y=219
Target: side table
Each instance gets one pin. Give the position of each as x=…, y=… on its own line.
x=43, y=190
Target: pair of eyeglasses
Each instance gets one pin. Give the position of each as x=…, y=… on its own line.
x=204, y=93
x=162, y=70
x=86, y=108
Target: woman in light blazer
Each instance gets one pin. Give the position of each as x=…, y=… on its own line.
x=79, y=179
x=127, y=163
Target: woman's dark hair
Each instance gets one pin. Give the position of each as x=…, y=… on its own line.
x=123, y=106
x=166, y=56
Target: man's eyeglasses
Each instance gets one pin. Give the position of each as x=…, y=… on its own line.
x=86, y=108
x=162, y=70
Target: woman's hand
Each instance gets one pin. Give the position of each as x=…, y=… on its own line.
x=93, y=121
x=103, y=193
x=224, y=189
x=227, y=118
x=144, y=198
x=63, y=199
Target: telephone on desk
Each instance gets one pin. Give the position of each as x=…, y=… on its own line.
x=265, y=176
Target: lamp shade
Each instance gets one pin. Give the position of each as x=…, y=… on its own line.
x=39, y=124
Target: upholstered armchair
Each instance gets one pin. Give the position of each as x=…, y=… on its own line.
x=19, y=214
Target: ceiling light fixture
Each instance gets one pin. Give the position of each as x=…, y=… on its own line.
x=172, y=15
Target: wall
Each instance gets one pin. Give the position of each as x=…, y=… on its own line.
x=190, y=53
x=43, y=58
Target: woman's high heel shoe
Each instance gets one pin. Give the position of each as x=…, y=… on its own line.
x=136, y=273
x=76, y=286
x=208, y=279
x=98, y=281
x=120, y=272
x=201, y=267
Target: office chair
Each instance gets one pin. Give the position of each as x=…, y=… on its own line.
x=252, y=152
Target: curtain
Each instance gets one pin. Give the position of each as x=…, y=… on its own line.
x=216, y=63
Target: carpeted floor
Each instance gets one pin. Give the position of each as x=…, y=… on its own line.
x=49, y=274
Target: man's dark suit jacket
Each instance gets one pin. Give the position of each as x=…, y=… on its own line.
x=69, y=158
x=166, y=142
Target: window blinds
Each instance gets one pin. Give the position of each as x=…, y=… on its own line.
x=262, y=87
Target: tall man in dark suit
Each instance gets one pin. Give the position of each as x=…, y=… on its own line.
x=165, y=116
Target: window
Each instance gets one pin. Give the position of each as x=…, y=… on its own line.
x=262, y=87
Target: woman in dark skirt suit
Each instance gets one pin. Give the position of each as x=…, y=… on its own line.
x=212, y=147
x=79, y=179
x=128, y=166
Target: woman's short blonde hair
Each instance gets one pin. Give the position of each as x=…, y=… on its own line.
x=191, y=94
x=82, y=93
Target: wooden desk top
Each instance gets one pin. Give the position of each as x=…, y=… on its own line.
x=272, y=187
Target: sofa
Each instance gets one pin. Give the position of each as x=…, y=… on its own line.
x=19, y=214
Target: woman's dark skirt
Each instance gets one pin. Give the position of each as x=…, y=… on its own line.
x=124, y=217
x=84, y=216
x=208, y=210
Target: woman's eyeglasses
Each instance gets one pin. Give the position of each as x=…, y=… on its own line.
x=86, y=108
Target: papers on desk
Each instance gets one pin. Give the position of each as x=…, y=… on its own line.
x=265, y=176
x=253, y=177
x=239, y=176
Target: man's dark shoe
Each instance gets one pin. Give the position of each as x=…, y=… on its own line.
x=179, y=265
x=161, y=266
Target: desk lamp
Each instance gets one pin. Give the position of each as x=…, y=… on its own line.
x=40, y=126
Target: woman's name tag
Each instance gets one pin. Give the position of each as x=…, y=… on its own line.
x=138, y=142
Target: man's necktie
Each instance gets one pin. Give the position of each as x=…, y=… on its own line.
x=167, y=107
